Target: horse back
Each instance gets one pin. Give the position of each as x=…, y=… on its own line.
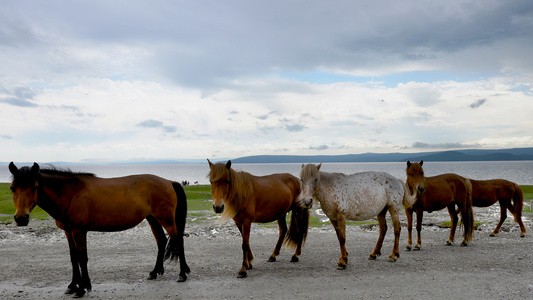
x=113, y=204
x=487, y=192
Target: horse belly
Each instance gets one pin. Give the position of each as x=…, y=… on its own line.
x=115, y=216
x=361, y=205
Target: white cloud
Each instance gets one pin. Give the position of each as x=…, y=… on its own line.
x=119, y=80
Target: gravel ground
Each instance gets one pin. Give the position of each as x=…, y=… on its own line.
x=35, y=264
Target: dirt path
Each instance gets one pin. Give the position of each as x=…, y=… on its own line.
x=34, y=264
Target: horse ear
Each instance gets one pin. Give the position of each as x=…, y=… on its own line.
x=210, y=163
x=319, y=165
x=421, y=162
x=228, y=164
x=35, y=168
x=13, y=169
x=408, y=164
x=303, y=165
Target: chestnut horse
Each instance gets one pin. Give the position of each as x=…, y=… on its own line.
x=82, y=202
x=358, y=197
x=509, y=194
x=247, y=198
x=436, y=193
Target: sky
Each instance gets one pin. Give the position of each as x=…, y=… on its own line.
x=102, y=81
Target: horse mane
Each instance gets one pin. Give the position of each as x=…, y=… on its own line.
x=66, y=172
x=240, y=189
x=309, y=170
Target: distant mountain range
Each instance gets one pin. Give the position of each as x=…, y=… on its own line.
x=456, y=155
x=515, y=154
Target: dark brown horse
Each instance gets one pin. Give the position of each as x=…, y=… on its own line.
x=247, y=198
x=82, y=202
x=436, y=193
x=509, y=194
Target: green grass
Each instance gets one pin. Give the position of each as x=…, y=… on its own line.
x=528, y=196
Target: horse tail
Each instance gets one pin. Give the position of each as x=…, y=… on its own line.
x=518, y=203
x=467, y=214
x=175, y=249
x=298, y=227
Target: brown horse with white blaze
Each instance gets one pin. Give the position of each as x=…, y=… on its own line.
x=436, y=193
x=509, y=194
x=247, y=198
x=82, y=202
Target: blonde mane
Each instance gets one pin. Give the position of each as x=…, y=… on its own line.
x=240, y=189
x=309, y=171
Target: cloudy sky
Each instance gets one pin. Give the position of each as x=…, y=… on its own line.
x=86, y=81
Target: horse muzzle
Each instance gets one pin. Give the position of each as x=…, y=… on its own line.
x=218, y=208
x=22, y=220
x=306, y=202
x=421, y=190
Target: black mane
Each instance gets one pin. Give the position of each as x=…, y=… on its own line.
x=53, y=170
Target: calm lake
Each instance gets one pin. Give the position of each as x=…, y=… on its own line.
x=520, y=172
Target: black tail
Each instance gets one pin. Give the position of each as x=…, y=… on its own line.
x=467, y=214
x=175, y=248
x=298, y=227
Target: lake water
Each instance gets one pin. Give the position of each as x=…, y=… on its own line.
x=520, y=172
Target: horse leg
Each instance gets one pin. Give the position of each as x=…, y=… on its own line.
x=419, y=217
x=161, y=241
x=382, y=231
x=282, y=223
x=397, y=229
x=409, y=214
x=175, y=246
x=340, y=229
x=455, y=218
x=76, y=276
x=247, y=255
x=80, y=239
x=503, y=216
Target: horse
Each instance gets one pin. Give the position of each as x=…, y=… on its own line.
x=487, y=192
x=436, y=193
x=246, y=198
x=358, y=197
x=82, y=202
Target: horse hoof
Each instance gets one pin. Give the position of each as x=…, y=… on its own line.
x=70, y=291
x=522, y=235
x=295, y=259
x=417, y=248
x=272, y=259
x=391, y=259
x=408, y=248
x=182, y=278
x=78, y=294
x=151, y=277
x=341, y=267
x=242, y=275
x=493, y=234
x=448, y=243
x=372, y=257
x=463, y=244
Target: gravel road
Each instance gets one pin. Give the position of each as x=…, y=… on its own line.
x=35, y=264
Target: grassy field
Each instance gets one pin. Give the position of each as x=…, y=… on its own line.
x=199, y=205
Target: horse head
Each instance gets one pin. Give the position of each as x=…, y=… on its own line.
x=220, y=178
x=310, y=179
x=416, y=181
x=24, y=188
